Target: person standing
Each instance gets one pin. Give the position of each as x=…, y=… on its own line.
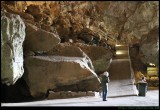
x=104, y=84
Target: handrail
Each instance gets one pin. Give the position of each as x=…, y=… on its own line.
x=103, y=33
x=132, y=72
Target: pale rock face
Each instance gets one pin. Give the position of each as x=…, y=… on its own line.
x=64, y=49
x=56, y=71
x=12, y=37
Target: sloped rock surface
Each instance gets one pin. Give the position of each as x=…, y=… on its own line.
x=69, y=50
x=101, y=57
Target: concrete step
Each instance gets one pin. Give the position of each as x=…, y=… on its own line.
x=122, y=47
x=121, y=57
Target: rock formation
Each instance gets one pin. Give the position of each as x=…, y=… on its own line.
x=77, y=37
x=48, y=72
x=101, y=57
x=149, y=48
x=12, y=37
x=38, y=39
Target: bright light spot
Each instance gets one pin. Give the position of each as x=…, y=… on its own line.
x=119, y=52
x=118, y=45
x=152, y=64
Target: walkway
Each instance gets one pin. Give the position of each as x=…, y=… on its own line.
x=121, y=75
x=151, y=99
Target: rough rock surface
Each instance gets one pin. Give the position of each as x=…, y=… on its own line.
x=101, y=57
x=114, y=20
x=69, y=50
x=136, y=61
x=149, y=48
x=69, y=94
x=12, y=37
x=38, y=39
x=55, y=71
x=95, y=23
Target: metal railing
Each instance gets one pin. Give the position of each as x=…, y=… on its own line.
x=99, y=31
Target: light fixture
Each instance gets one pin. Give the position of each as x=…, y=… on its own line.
x=118, y=45
x=119, y=52
x=151, y=64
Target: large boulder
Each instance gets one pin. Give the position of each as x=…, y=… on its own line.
x=101, y=57
x=68, y=50
x=48, y=72
x=12, y=37
x=38, y=39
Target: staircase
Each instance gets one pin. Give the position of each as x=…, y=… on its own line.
x=121, y=74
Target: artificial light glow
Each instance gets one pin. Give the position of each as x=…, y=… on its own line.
x=119, y=52
x=118, y=45
x=151, y=64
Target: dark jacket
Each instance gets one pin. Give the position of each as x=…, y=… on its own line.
x=105, y=81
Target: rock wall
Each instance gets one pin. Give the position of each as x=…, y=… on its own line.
x=136, y=61
x=122, y=20
x=149, y=48
x=12, y=37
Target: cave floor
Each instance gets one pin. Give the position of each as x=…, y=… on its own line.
x=150, y=100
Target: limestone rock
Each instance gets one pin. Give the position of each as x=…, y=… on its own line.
x=149, y=48
x=100, y=57
x=48, y=72
x=92, y=23
x=12, y=37
x=34, y=9
x=64, y=49
x=39, y=40
x=142, y=21
x=26, y=16
x=122, y=20
x=136, y=61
